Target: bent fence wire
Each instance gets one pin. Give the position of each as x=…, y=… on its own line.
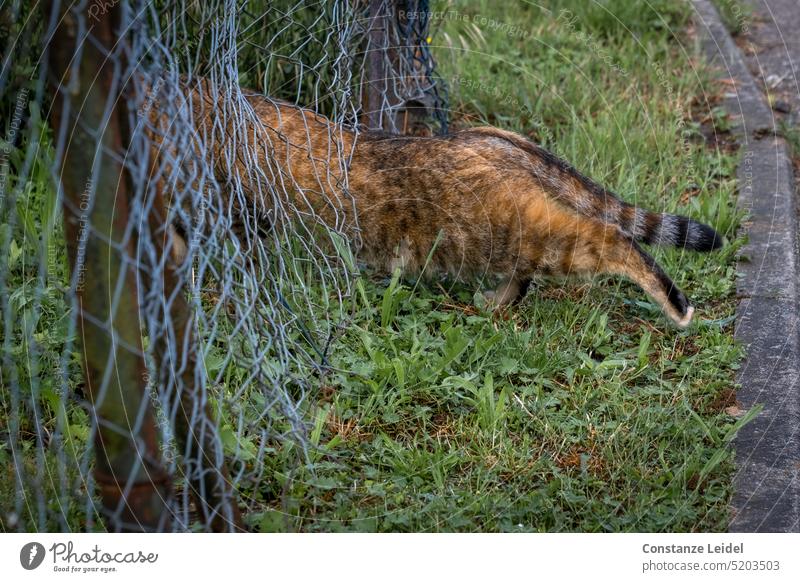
x=167, y=305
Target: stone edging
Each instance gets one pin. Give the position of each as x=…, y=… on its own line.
x=767, y=480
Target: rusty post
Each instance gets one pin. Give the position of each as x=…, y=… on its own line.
x=204, y=465
x=377, y=82
x=133, y=484
x=386, y=109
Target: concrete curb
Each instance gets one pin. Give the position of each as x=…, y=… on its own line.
x=767, y=480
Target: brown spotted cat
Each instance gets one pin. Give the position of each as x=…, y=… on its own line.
x=504, y=206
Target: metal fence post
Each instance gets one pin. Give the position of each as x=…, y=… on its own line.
x=401, y=90
x=203, y=460
x=376, y=64
x=133, y=484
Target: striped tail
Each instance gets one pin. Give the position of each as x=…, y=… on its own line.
x=663, y=229
x=569, y=186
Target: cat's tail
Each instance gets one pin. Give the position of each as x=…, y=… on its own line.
x=590, y=199
x=664, y=229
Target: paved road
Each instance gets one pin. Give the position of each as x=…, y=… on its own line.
x=768, y=450
x=773, y=31
x=767, y=480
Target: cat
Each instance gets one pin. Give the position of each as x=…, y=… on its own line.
x=490, y=201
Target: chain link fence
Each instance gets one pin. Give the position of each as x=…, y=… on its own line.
x=169, y=296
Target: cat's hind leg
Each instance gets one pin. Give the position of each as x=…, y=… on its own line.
x=510, y=290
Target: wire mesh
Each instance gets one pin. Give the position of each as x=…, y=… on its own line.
x=147, y=378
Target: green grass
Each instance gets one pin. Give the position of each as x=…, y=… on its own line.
x=37, y=275
x=581, y=409
x=735, y=14
x=791, y=133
